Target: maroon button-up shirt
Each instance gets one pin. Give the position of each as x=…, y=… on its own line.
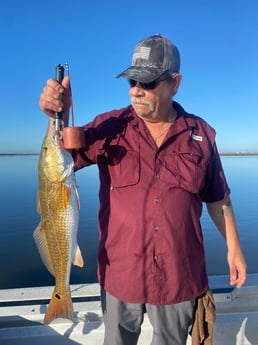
x=151, y=244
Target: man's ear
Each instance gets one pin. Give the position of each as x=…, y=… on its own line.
x=175, y=85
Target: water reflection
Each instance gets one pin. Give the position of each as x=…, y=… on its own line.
x=20, y=264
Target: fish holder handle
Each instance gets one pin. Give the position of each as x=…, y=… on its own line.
x=73, y=137
x=58, y=115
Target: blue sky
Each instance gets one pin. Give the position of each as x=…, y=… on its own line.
x=219, y=58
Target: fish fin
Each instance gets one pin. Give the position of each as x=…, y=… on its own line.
x=38, y=204
x=66, y=195
x=77, y=198
x=41, y=242
x=60, y=306
x=78, y=260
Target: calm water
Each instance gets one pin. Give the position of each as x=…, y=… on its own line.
x=20, y=264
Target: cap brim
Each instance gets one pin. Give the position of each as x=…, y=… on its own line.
x=141, y=74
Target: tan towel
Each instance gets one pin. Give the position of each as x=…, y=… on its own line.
x=205, y=317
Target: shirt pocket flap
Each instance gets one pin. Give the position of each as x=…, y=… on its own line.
x=122, y=165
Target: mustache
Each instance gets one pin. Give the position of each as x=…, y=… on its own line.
x=136, y=100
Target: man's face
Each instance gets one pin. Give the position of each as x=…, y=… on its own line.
x=154, y=104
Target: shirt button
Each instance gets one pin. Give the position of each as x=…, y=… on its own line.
x=156, y=228
x=157, y=200
x=155, y=257
x=158, y=175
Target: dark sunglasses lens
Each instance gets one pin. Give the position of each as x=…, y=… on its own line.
x=145, y=86
x=149, y=86
x=132, y=82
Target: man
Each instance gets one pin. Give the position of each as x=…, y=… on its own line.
x=157, y=165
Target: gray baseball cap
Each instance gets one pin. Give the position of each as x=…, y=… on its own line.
x=152, y=57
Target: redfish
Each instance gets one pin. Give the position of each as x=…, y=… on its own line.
x=56, y=235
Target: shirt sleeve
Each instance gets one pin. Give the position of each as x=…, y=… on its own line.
x=216, y=187
x=81, y=159
x=87, y=156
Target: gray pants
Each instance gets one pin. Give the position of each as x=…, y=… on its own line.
x=171, y=323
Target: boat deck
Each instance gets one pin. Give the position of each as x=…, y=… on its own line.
x=22, y=312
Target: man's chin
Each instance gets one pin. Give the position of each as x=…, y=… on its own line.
x=142, y=111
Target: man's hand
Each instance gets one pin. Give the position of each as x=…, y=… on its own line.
x=237, y=267
x=56, y=98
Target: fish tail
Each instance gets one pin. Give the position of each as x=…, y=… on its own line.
x=59, y=306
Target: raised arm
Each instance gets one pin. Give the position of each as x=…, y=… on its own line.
x=56, y=97
x=221, y=213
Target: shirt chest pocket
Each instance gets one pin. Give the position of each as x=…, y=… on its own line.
x=189, y=168
x=122, y=165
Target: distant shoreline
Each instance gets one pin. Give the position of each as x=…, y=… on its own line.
x=238, y=153
x=220, y=153
x=19, y=154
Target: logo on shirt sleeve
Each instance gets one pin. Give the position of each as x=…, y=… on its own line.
x=196, y=137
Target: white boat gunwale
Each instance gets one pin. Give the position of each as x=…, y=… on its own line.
x=22, y=311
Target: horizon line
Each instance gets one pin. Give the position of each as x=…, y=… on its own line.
x=222, y=153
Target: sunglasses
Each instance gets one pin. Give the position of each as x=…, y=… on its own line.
x=151, y=85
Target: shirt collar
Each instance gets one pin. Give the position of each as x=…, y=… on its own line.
x=184, y=120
